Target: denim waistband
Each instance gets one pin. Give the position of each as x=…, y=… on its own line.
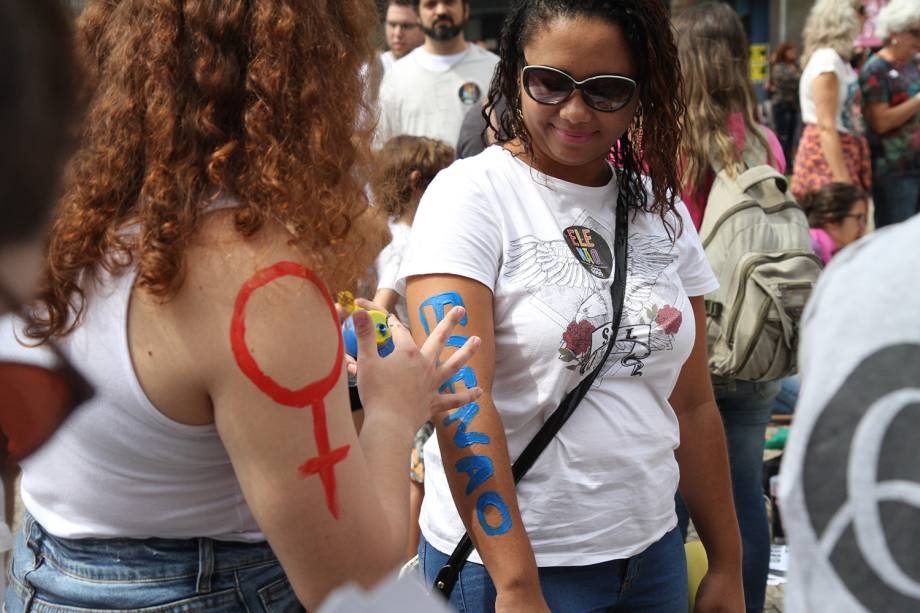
x=138, y=560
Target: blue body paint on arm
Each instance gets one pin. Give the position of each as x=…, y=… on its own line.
x=492, y=499
x=456, y=341
x=466, y=375
x=439, y=303
x=465, y=415
x=478, y=467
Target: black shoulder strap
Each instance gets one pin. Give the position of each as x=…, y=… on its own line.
x=450, y=572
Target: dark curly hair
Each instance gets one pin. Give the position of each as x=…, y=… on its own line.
x=831, y=204
x=650, y=144
x=261, y=101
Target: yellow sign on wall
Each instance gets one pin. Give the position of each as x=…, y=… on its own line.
x=760, y=62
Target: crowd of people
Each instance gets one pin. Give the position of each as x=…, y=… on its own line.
x=852, y=115
x=587, y=240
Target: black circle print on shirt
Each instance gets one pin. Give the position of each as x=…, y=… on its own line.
x=590, y=249
x=861, y=480
x=469, y=93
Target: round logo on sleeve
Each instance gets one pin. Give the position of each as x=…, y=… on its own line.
x=469, y=93
x=591, y=250
x=861, y=480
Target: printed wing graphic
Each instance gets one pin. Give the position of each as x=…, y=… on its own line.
x=647, y=259
x=540, y=263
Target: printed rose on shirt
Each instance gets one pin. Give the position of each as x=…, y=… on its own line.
x=582, y=343
x=669, y=319
x=577, y=337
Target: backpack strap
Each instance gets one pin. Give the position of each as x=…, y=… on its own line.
x=752, y=155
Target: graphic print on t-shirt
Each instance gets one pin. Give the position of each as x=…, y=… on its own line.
x=590, y=249
x=861, y=480
x=469, y=93
x=565, y=287
x=647, y=326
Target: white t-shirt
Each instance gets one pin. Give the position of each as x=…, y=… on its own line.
x=387, y=59
x=428, y=95
x=604, y=488
x=389, y=261
x=849, y=116
x=850, y=479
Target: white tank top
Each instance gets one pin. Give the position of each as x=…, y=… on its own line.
x=119, y=467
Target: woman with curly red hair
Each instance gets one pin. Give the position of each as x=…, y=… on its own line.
x=214, y=196
x=532, y=235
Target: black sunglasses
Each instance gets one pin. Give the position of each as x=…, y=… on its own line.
x=35, y=400
x=605, y=93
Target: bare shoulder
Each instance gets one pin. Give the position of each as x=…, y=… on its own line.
x=255, y=303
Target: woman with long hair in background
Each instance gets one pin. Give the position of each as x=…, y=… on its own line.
x=721, y=129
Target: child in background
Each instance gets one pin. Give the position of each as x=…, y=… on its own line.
x=405, y=166
x=837, y=214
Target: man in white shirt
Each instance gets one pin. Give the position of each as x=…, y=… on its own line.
x=402, y=31
x=429, y=92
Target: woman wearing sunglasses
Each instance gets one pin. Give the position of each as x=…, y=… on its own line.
x=214, y=194
x=524, y=236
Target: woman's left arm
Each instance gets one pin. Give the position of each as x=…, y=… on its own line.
x=705, y=484
x=884, y=117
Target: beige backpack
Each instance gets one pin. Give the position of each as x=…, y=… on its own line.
x=756, y=239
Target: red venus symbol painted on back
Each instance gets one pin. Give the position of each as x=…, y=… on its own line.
x=313, y=394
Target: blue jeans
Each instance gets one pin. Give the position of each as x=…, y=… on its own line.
x=654, y=581
x=897, y=198
x=54, y=575
x=788, y=395
x=745, y=407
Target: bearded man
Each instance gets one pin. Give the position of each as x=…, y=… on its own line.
x=429, y=91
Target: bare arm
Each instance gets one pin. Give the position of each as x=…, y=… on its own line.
x=883, y=117
x=705, y=484
x=824, y=89
x=474, y=448
x=333, y=506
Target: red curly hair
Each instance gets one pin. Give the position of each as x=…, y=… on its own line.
x=260, y=100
